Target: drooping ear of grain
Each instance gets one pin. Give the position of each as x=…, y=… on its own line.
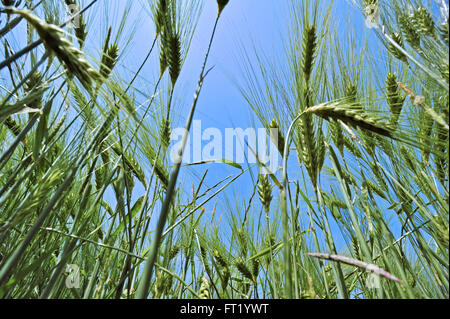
x=54, y=41
x=352, y=115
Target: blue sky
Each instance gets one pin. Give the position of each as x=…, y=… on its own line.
x=258, y=23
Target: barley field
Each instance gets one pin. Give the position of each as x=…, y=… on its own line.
x=97, y=200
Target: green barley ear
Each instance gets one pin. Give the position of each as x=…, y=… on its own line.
x=222, y=4
x=204, y=255
x=55, y=42
x=174, y=57
x=221, y=261
x=243, y=269
x=394, y=98
x=255, y=269
x=309, y=50
x=279, y=141
x=160, y=15
x=353, y=116
x=425, y=130
x=443, y=30
x=204, y=289
x=397, y=37
x=409, y=30
x=424, y=22
x=441, y=161
x=33, y=85
x=242, y=239
x=110, y=55
x=173, y=252
x=165, y=133
x=265, y=191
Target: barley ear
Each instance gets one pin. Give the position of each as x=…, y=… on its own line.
x=309, y=50
x=165, y=133
x=204, y=289
x=265, y=191
x=279, y=140
x=55, y=42
x=222, y=4
x=424, y=22
x=394, y=98
x=174, y=57
x=397, y=37
x=409, y=31
x=243, y=269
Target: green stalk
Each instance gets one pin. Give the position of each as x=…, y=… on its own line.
x=283, y=202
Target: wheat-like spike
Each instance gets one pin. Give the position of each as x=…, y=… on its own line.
x=353, y=115
x=444, y=31
x=321, y=150
x=265, y=191
x=222, y=4
x=309, y=50
x=242, y=241
x=203, y=252
x=220, y=259
x=174, y=57
x=409, y=31
x=279, y=141
x=424, y=22
x=204, y=289
x=54, y=40
x=165, y=133
x=255, y=269
x=426, y=127
x=394, y=98
x=109, y=61
x=243, y=269
x=441, y=161
x=397, y=37
x=160, y=15
x=159, y=283
x=443, y=68
x=226, y=277
x=174, y=250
